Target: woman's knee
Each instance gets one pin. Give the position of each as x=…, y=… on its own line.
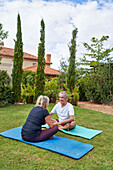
x=55, y=128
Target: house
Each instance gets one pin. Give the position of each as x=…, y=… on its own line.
x=48, y=71
x=29, y=62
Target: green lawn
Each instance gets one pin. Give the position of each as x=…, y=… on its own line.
x=15, y=155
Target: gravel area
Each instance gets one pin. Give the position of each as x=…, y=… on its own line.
x=97, y=107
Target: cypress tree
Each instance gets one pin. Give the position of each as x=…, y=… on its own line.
x=40, y=75
x=71, y=68
x=17, y=63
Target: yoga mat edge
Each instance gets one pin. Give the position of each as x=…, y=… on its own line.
x=80, y=131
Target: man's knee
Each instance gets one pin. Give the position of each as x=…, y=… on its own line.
x=71, y=126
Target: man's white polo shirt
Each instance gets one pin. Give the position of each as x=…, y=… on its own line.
x=63, y=112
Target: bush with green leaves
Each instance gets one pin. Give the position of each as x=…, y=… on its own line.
x=28, y=77
x=28, y=94
x=74, y=96
x=62, y=79
x=5, y=89
x=81, y=83
x=99, y=86
x=92, y=88
x=51, y=88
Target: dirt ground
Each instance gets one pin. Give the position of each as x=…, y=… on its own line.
x=97, y=107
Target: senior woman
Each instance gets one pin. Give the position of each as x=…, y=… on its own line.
x=39, y=115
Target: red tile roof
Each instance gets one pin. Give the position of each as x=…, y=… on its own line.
x=47, y=70
x=10, y=52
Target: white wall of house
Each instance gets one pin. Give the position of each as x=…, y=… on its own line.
x=27, y=63
x=7, y=64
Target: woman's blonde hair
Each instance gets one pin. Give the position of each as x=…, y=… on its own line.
x=41, y=100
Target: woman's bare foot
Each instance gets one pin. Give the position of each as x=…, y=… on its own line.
x=51, y=137
x=66, y=127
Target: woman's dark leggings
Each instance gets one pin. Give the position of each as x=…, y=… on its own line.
x=44, y=135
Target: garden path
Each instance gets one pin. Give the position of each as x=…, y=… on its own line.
x=97, y=107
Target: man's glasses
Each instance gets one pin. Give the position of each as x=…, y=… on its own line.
x=61, y=97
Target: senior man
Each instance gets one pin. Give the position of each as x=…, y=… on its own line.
x=65, y=112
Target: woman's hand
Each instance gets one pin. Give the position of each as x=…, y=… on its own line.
x=51, y=122
x=56, y=123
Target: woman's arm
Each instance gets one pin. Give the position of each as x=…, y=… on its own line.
x=50, y=121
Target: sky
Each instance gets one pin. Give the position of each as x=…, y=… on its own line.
x=92, y=18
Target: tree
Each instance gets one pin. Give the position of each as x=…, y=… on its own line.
x=97, y=54
x=71, y=68
x=63, y=65
x=40, y=75
x=63, y=68
x=99, y=82
x=3, y=35
x=17, y=63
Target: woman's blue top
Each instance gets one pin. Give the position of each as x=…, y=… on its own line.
x=35, y=120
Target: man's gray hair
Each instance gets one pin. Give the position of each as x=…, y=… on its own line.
x=65, y=94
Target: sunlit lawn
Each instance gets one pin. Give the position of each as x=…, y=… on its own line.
x=17, y=155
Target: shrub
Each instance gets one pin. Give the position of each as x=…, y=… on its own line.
x=74, y=96
x=82, y=96
x=28, y=94
x=51, y=94
x=51, y=89
x=96, y=89
x=28, y=77
x=5, y=89
x=62, y=79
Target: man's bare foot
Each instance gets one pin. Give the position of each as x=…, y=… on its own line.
x=66, y=127
x=63, y=127
x=60, y=127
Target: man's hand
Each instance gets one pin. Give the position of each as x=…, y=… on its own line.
x=53, y=120
x=50, y=114
x=56, y=123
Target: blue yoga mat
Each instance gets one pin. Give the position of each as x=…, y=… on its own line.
x=80, y=131
x=64, y=146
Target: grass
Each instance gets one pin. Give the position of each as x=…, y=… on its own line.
x=15, y=155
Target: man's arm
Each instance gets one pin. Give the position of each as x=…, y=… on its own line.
x=51, y=114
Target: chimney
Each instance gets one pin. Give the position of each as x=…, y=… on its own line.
x=1, y=44
x=48, y=59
